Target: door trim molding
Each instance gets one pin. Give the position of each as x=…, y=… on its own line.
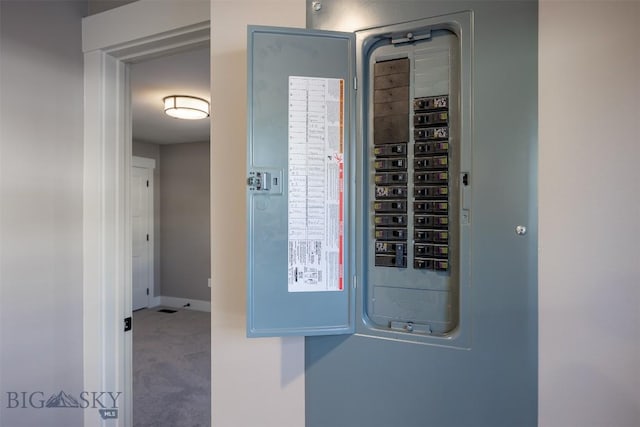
x=145, y=29
x=143, y=162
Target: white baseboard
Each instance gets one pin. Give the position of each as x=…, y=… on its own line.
x=174, y=302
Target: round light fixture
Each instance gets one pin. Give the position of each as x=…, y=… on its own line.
x=186, y=107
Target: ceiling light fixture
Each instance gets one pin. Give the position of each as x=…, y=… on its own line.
x=186, y=107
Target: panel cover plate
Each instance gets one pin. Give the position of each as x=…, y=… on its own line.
x=320, y=300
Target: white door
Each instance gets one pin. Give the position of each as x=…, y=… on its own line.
x=141, y=231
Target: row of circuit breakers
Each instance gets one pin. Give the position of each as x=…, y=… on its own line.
x=428, y=204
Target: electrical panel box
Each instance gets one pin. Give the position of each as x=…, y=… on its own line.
x=301, y=109
x=376, y=166
x=412, y=152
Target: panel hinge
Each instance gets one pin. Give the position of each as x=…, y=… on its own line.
x=127, y=324
x=147, y=291
x=147, y=183
x=355, y=83
x=147, y=237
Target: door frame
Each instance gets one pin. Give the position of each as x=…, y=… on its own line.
x=146, y=29
x=149, y=165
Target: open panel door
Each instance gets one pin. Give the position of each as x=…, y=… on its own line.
x=300, y=108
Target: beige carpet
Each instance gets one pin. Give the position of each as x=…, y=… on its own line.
x=171, y=369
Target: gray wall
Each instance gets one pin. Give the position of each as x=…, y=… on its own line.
x=97, y=6
x=185, y=221
x=152, y=151
x=40, y=206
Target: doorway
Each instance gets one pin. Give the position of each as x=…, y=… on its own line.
x=107, y=252
x=170, y=207
x=178, y=230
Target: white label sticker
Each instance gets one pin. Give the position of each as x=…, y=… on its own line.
x=316, y=184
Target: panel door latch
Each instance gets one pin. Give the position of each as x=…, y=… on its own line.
x=265, y=181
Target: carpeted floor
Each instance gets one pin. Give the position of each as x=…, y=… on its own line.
x=171, y=369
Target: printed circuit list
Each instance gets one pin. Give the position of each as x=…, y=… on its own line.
x=315, y=184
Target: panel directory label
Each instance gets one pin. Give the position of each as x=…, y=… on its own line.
x=315, y=184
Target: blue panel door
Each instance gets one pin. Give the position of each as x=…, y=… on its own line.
x=300, y=107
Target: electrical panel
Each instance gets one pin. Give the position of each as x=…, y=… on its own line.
x=360, y=225
x=413, y=170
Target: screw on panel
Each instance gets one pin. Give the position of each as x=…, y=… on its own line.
x=316, y=5
x=521, y=230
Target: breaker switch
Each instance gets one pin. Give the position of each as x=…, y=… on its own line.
x=390, y=178
x=431, y=221
x=430, y=119
x=431, y=236
x=391, y=233
x=392, y=220
x=433, y=162
x=422, y=134
x=390, y=164
x=386, y=248
x=430, y=192
x=430, y=264
x=395, y=206
x=440, y=102
x=390, y=261
x=430, y=148
x=386, y=192
x=431, y=207
x=431, y=177
x=436, y=251
x=390, y=150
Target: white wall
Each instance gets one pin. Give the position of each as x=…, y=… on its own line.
x=40, y=207
x=589, y=289
x=257, y=382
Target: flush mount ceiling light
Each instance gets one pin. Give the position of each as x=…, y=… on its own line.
x=186, y=107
